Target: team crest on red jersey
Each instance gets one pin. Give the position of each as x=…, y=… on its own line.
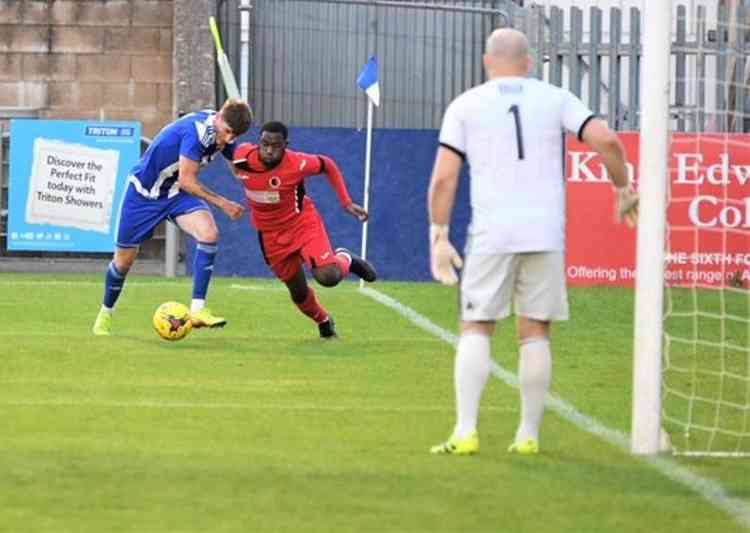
x=275, y=182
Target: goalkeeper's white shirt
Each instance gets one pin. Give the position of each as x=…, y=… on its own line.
x=510, y=131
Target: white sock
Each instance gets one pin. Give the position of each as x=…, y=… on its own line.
x=106, y=309
x=197, y=304
x=471, y=371
x=534, y=375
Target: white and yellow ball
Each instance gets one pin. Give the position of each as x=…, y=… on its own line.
x=172, y=321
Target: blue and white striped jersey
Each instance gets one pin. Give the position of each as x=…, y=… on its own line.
x=193, y=136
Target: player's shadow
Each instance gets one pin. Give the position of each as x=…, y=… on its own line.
x=215, y=343
x=199, y=342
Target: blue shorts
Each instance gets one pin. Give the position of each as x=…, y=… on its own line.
x=139, y=216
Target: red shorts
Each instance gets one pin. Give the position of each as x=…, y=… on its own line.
x=304, y=241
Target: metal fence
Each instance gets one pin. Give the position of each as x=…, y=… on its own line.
x=305, y=56
x=708, y=62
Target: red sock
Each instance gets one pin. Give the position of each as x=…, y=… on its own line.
x=312, y=308
x=344, y=261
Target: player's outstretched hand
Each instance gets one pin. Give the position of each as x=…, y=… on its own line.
x=233, y=209
x=627, y=205
x=357, y=211
x=444, y=258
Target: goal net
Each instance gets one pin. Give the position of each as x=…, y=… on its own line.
x=705, y=387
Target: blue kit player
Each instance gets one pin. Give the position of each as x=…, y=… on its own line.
x=164, y=185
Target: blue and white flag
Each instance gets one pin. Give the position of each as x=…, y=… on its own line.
x=368, y=80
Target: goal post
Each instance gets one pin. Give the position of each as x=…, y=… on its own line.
x=652, y=186
x=691, y=376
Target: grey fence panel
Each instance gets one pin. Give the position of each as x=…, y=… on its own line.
x=595, y=61
x=614, y=109
x=680, y=66
x=555, y=53
x=737, y=93
x=575, y=81
x=721, y=70
x=700, y=70
x=634, y=74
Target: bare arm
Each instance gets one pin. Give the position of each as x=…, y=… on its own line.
x=440, y=199
x=606, y=142
x=443, y=186
x=188, y=180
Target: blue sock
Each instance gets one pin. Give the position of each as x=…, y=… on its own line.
x=203, y=267
x=113, y=284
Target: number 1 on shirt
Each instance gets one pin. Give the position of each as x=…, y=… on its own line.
x=519, y=132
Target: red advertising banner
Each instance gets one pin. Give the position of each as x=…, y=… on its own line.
x=708, y=224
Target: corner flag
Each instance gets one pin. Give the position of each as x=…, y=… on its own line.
x=368, y=80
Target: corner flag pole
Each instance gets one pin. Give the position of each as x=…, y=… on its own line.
x=368, y=158
x=368, y=81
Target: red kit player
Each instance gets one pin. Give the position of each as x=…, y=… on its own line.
x=290, y=229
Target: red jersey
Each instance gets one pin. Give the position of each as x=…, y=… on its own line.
x=276, y=196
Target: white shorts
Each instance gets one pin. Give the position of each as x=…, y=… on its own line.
x=534, y=282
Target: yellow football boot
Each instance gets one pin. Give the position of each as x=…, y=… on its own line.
x=103, y=324
x=205, y=319
x=455, y=446
x=527, y=447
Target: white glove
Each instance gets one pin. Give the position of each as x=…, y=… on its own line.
x=627, y=205
x=443, y=256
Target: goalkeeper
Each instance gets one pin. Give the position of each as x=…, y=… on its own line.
x=508, y=131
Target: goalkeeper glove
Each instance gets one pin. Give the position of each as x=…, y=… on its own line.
x=443, y=256
x=627, y=205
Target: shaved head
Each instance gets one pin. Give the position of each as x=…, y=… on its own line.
x=507, y=53
x=509, y=44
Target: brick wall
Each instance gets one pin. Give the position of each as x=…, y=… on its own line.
x=194, y=55
x=99, y=59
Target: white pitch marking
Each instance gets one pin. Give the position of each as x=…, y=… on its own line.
x=255, y=288
x=128, y=284
x=710, y=490
x=250, y=406
x=76, y=284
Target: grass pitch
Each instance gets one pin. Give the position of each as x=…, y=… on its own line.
x=263, y=427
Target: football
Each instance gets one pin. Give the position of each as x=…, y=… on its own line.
x=172, y=321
